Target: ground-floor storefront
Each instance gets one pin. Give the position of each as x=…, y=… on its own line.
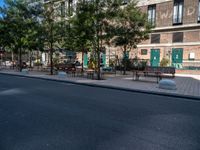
x=181, y=57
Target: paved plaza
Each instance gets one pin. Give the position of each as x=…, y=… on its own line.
x=188, y=85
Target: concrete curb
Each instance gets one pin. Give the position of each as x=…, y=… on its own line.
x=110, y=87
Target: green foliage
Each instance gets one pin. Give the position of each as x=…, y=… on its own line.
x=164, y=62
x=130, y=27
x=56, y=59
x=112, y=62
x=92, y=63
x=93, y=24
x=82, y=27
x=19, y=24
x=138, y=64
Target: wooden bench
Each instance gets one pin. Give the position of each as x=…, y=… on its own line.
x=90, y=73
x=166, y=72
x=137, y=74
x=108, y=70
x=71, y=71
x=158, y=72
x=79, y=72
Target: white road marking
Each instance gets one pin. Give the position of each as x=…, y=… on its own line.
x=12, y=92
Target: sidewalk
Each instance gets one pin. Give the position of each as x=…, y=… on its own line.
x=187, y=85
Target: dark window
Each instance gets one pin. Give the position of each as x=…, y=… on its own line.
x=152, y=14
x=124, y=2
x=178, y=12
x=143, y=51
x=70, y=7
x=155, y=38
x=62, y=9
x=177, y=37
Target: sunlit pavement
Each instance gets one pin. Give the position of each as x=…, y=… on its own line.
x=46, y=115
x=188, y=85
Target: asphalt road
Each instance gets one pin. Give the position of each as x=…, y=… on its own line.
x=47, y=115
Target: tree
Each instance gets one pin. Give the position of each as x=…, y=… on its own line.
x=105, y=11
x=19, y=20
x=89, y=21
x=83, y=27
x=129, y=28
x=51, y=27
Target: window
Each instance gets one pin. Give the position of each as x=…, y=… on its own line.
x=199, y=12
x=152, y=14
x=155, y=38
x=124, y=2
x=178, y=12
x=126, y=55
x=143, y=51
x=191, y=56
x=177, y=37
x=70, y=7
x=62, y=9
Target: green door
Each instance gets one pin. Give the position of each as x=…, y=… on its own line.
x=126, y=55
x=104, y=59
x=85, y=60
x=155, y=57
x=177, y=57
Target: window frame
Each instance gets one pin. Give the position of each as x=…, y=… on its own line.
x=144, y=51
x=178, y=18
x=63, y=9
x=155, y=42
x=178, y=41
x=152, y=18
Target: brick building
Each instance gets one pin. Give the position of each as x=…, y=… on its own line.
x=176, y=35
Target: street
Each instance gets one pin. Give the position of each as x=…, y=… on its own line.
x=46, y=115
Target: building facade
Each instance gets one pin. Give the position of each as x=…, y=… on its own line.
x=175, y=36
x=176, y=33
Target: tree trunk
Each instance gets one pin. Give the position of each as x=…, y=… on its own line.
x=98, y=58
x=51, y=57
x=12, y=55
x=37, y=59
x=20, y=59
x=82, y=60
x=98, y=64
x=125, y=61
x=30, y=59
x=99, y=48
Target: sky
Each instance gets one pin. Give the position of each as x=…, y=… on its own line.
x=1, y=2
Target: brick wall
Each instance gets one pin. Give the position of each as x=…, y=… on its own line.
x=166, y=38
x=164, y=14
x=192, y=36
x=164, y=53
x=144, y=9
x=164, y=18
x=190, y=11
x=191, y=49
